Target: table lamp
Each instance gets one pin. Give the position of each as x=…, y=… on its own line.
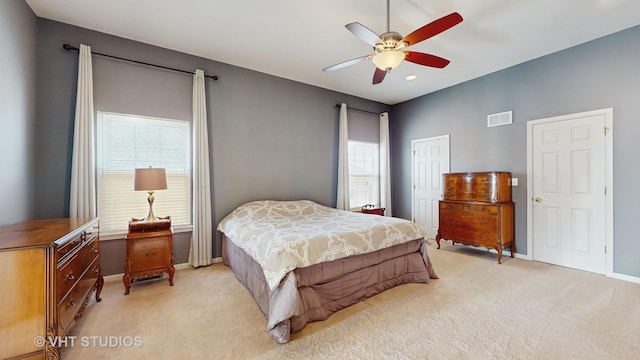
x=150, y=179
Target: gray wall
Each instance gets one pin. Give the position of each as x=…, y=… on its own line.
x=600, y=74
x=274, y=138
x=17, y=110
x=271, y=138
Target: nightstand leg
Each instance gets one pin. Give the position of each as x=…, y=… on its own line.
x=438, y=240
x=126, y=279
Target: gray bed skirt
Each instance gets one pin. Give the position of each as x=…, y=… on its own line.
x=315, y=292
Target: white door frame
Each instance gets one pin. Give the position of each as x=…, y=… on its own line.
x=413, y=142
x=608, y=114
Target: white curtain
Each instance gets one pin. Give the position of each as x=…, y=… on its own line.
x=82, y=199
x=385, y=168
x=201, y=253
x=342, y=198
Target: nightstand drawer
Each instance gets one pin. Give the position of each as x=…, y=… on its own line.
x=149, y=253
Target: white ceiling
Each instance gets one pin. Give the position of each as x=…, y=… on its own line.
x=296, y=39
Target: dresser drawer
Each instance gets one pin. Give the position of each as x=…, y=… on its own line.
x=72, y=245
x=473, y=224
x=458, y=232
x=71, y=270
x=149, y=254
x=74, y=301
x=484, y=187
x=466, y=207
x=68, y=247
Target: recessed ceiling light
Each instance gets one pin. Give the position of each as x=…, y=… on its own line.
x=411, y=77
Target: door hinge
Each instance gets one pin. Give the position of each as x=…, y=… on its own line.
x=605, y=130
x=605, y=190
x=605, y=249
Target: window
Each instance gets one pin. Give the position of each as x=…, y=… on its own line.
x=364, y=174
x=127, y=142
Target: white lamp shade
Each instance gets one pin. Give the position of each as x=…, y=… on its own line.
x=150, y=179
x=388, y=60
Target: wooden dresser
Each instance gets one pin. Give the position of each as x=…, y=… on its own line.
x=149, y=251
x=477, y=210
x=49, y=268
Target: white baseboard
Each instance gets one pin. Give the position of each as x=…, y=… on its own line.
x=506, y=253
x=626, y=278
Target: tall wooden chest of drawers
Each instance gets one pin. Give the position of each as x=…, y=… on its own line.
x=48, y=268
x=477, y=210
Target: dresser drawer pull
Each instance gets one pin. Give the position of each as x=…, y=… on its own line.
x=96, y=269
x=71, y=303
x=93, y=249
x=69, y=276
x=150, y=254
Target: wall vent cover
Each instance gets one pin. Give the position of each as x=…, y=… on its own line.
x=498, y=119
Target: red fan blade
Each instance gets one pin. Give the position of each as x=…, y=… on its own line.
x=346, y=63
x=378, y=76
x=433, y=28
x=426, y=59
x=364, y=33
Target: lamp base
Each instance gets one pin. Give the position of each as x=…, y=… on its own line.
x=150, y=216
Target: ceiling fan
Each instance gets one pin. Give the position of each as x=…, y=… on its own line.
x=388, y=47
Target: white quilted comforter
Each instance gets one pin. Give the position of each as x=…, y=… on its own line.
x=284, y=235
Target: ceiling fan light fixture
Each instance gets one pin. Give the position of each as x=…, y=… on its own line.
x=388, y=60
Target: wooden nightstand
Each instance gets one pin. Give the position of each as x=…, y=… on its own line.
x=371, y=209
x=149, y=251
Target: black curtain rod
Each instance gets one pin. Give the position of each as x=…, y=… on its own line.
x=364, y=111
x=69, y=47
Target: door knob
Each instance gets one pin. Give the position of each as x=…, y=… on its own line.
x=538, y=199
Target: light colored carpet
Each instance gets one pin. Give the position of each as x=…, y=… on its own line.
x=476, y=310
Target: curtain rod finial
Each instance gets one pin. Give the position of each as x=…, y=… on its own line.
x=68, y=47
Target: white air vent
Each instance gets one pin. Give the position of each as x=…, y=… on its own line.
x=502, y=118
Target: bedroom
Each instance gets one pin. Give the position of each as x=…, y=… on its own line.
x=37, y=118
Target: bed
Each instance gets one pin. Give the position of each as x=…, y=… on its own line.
x=302, y=261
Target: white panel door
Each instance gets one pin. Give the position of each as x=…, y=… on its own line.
x=569, y=192
x=430, y=161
